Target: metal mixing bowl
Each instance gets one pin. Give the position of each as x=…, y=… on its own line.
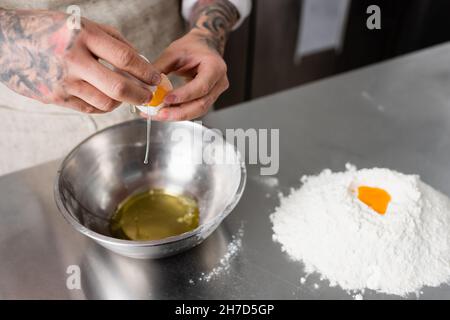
x=185, y=158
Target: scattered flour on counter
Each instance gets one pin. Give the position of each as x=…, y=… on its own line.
x=324, y=225
x=267, y=181
x=224, y=264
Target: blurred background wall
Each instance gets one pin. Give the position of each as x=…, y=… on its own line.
x=263, y=55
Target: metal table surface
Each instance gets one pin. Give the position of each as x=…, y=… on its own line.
x=395, y=114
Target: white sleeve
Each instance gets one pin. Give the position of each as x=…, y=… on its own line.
x=243, y=6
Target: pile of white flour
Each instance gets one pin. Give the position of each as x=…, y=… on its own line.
x=324, y=225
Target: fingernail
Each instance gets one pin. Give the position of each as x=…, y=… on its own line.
x=170, y=99
x=156, y=79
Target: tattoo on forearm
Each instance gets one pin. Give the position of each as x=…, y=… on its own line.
x=31, y=44
x=217, y=18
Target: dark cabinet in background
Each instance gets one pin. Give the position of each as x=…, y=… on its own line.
x=260, y=54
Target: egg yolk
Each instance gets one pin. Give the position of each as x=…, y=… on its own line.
x=158, y=97
x=376, y=198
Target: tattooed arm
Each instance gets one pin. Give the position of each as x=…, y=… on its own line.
x=214, y=20
x=44, y=59
x=198, y=56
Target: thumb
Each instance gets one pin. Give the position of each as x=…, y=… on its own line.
x=167, y=62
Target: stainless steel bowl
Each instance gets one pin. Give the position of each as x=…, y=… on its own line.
x=185, y=158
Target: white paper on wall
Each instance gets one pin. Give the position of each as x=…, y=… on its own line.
x=322, y=26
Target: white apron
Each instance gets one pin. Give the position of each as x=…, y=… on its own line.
x=32, y=132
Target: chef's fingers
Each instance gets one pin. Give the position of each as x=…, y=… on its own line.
x=167, y=62
x=91, y=95
x=122, y=56
x=78, y=104
x=202, y=84
x=192, y=109
x=112, y=84
x=113, y=32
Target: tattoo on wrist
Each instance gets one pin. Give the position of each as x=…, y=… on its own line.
x=216, y=18
x=31, y=43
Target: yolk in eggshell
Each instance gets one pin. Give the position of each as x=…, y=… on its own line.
x=376, y=198
x=160, y=92
x=158, y=97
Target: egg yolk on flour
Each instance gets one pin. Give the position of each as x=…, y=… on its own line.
x=376, y=198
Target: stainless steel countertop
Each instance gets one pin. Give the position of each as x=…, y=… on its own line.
x=395, y=114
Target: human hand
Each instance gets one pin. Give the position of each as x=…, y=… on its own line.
x=42, y=58
x=198, y=56
x=193, y=59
